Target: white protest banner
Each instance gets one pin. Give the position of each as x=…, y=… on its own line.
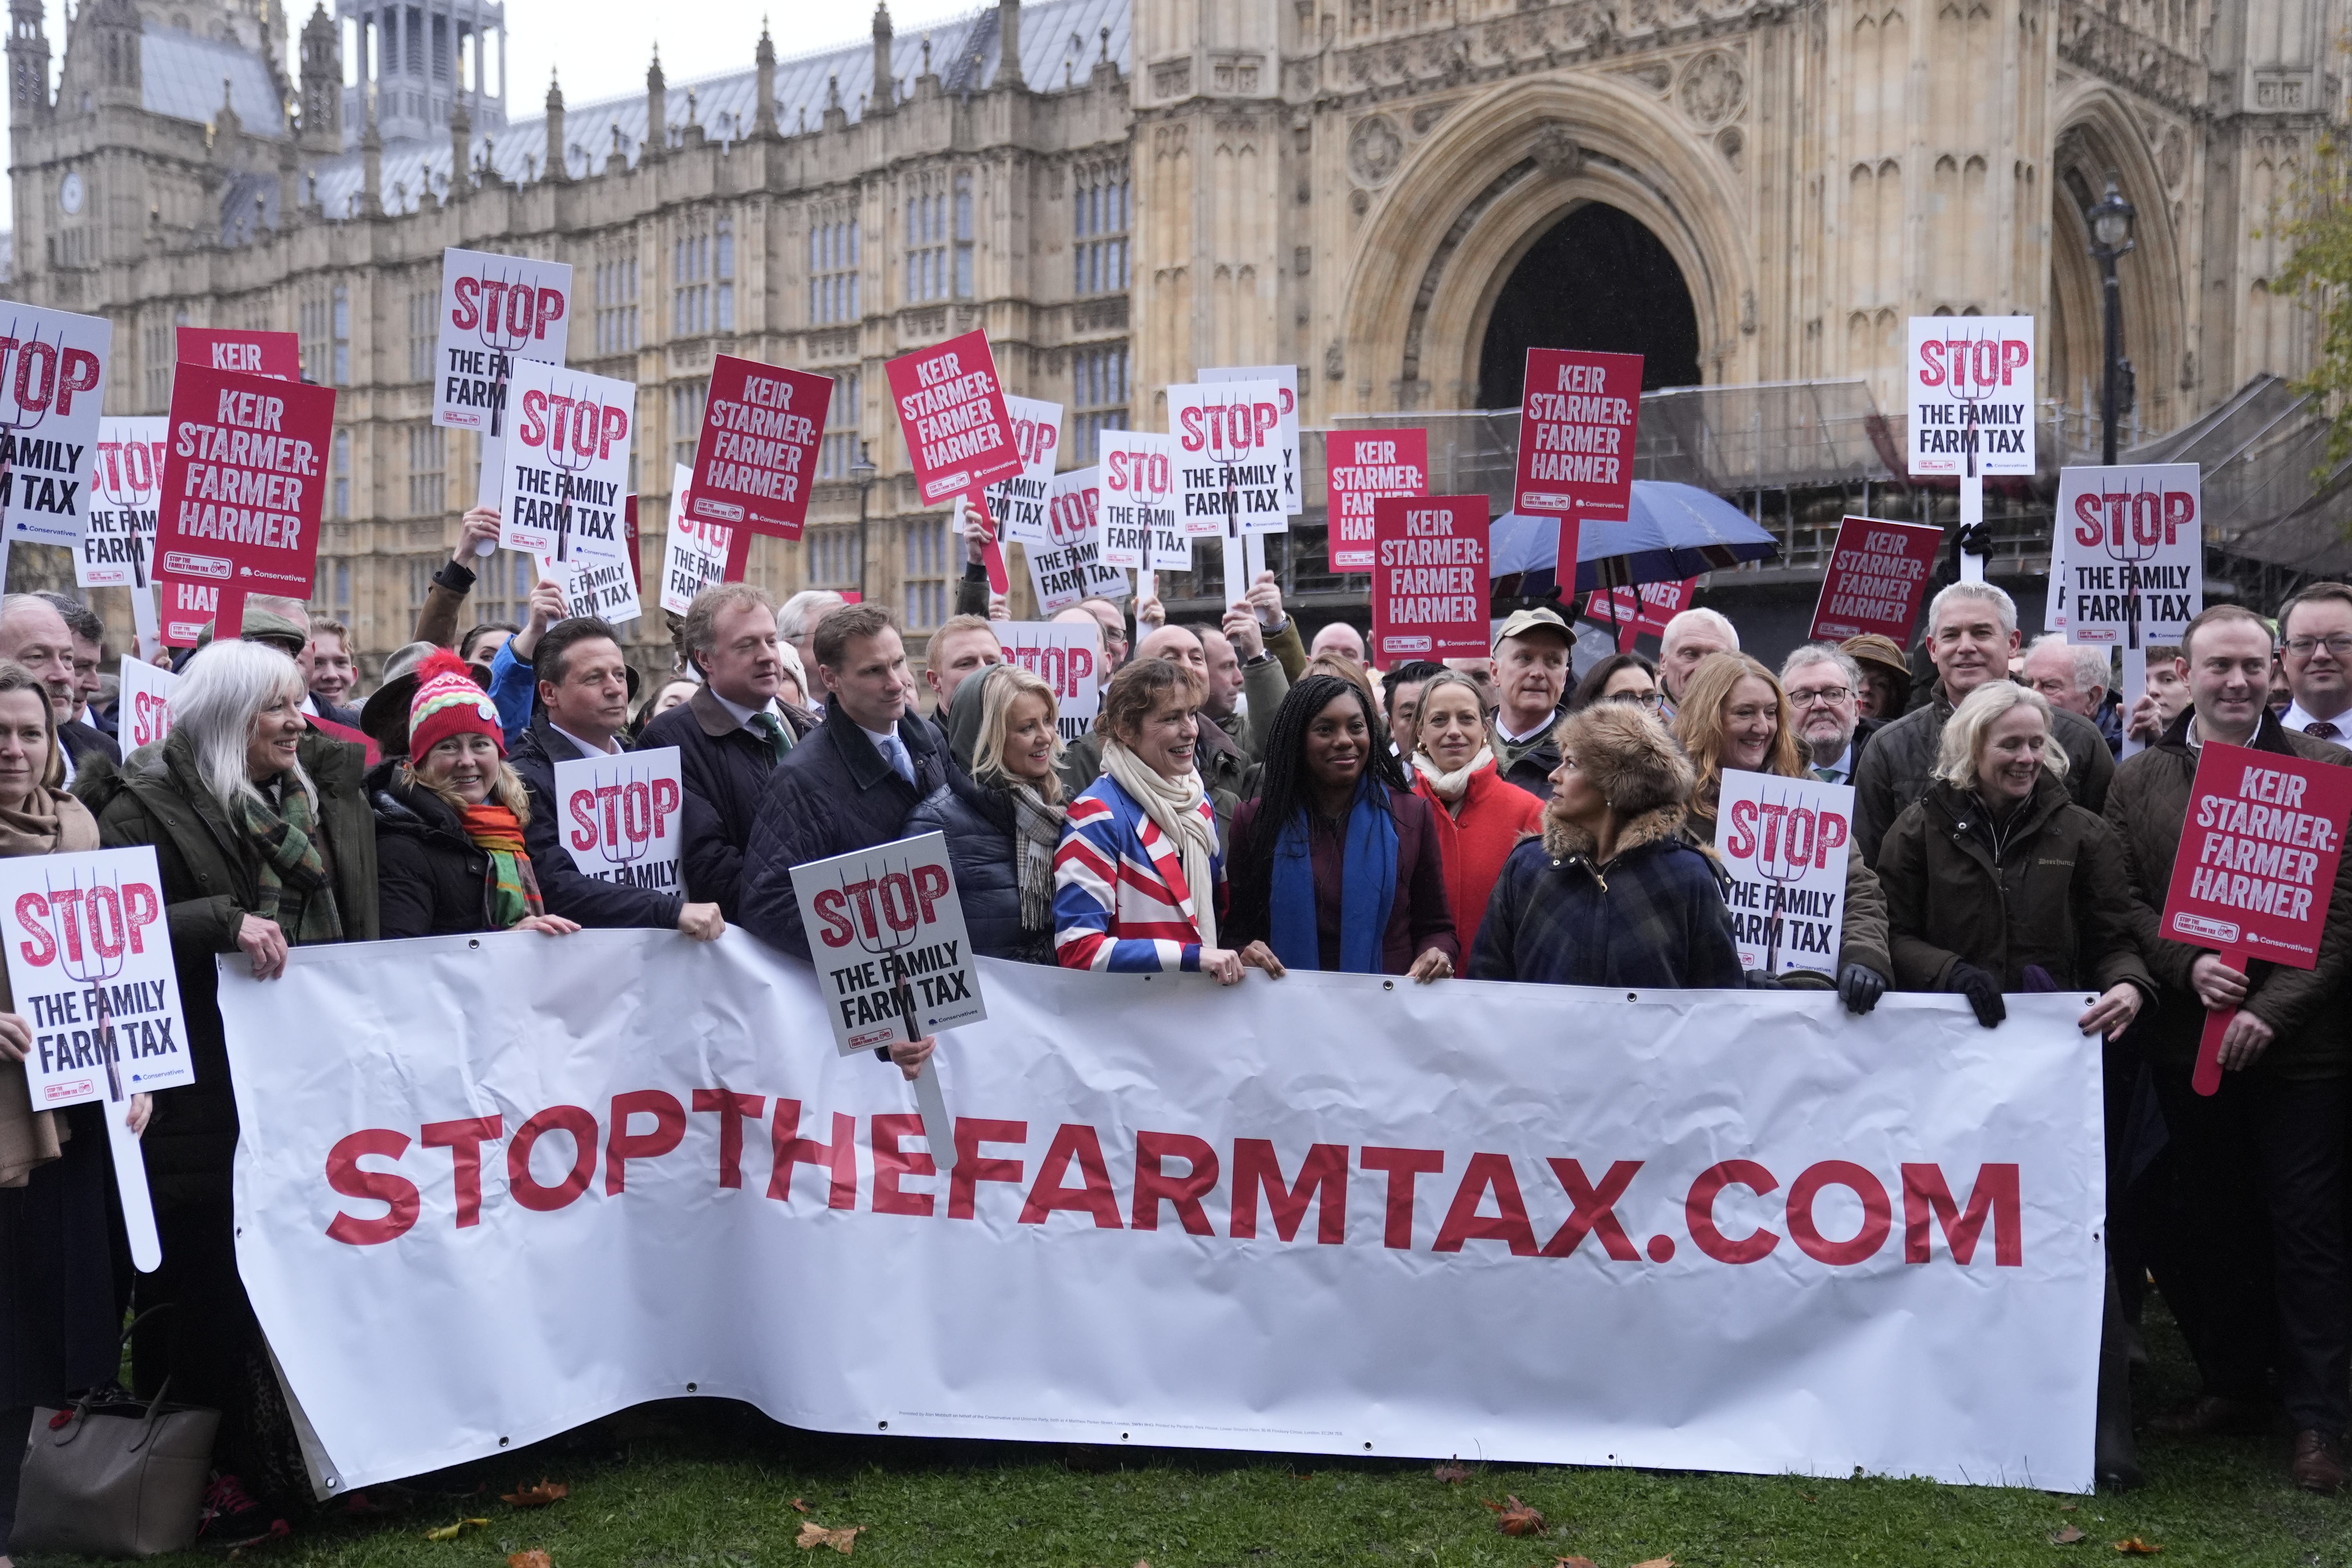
x=567, y=462
x=1229, y=455
x=143, y=710
x=495, y=311
x=89, y=962
x=118, y=536
x=886, y=931
x=2133, y=552
x=1017, y=502
x=1069, y=567
x=1066, y=658
x=1285, y=378
x=619, y=818
x=1768, y=1237
x=1970, y=382
x=694, y=551
x=1783, y=843
x=52, y=382
x=1141, y=529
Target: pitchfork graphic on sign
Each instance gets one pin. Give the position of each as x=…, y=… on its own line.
x=2130, y=537
x=628, y=819
x=495, y=329
x=1782, y=864
x=885, y=938
x=1971, y=369
x=83, y=959
x=567, y=453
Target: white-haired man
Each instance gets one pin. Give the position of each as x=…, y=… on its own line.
x=2074, y=678
x=797, y=621
x=1971, y=638
x=1825, y=688
x=1685, y=644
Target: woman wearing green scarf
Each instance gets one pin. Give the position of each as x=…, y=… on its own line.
x=264, y=842
x=450, y=819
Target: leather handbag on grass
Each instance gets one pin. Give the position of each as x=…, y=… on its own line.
x=111, y=1477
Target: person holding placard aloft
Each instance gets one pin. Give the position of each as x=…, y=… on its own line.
x=2259, y=1210
x=264, y=842
x=59, y=1330
x=1139, y=879
x=450, y=819
x=1735, y=715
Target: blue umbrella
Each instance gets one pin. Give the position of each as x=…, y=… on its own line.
x=1674, y=532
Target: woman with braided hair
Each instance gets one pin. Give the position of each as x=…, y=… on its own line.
x=1336, y=863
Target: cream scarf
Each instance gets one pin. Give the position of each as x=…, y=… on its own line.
x=1175, y=805
x=1451, y=787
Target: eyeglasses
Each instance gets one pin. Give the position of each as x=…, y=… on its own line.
x=1646, y=698
x=1827, y=696
x=2340, y=645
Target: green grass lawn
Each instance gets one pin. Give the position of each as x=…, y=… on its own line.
x=711, y=1485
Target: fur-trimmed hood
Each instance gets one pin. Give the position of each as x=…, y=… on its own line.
x=1636, y=765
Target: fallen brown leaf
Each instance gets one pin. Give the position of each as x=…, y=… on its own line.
x=814, y=1535
x=532, y=1559
x=2135, y=1547
x=539, y=1496
x=2066, y=1537
x=1451, y=1471
x=1516, y=1518
x=1656, y=1563
x=799, y=1507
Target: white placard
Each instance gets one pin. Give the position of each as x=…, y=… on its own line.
x=1066, y=657
x=606, y=589
x=2130, y=552
x=1970, y=381
x=694, y=550
x=567, y=463
x=1142, y=505
x=619, y=818
x=1229, y=454
x=1069, y=567
x=142, y=710
x=495, y=311
x=126, y=486
x=52, y=383
x=1285, y=380
x=886, y=932
x=1784, y=844
x=89, y=962
x=1017, y=505
x=1782, y=1239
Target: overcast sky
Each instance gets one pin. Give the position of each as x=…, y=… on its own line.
x=602, y=47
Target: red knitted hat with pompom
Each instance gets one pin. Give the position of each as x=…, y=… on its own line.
x=447, y=703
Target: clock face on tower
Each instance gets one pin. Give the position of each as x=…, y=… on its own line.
x=69, y=194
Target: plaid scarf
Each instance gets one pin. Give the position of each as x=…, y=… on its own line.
x=514, y=891
x=296, y=891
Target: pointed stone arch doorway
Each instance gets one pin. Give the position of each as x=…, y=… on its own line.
x=1598, y=278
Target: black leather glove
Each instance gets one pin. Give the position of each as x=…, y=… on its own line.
x=1860, y=987
x=1982, y=991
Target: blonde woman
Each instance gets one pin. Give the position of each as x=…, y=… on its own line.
x=450, y=819
x=1480, y=815
x=1003, y=821
x=1735, y=717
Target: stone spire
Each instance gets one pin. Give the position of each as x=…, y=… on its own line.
x=559, y=165
x=763, y=120
x=884, y=91
x=322, y=83
x=461, y=148
x=657, y=108
x=1008, y=44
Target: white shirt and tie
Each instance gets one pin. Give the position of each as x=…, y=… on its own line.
x=2338, y=729
x=1839, y=772
x=894, y=752
x=609, y=749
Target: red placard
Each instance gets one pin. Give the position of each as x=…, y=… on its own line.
x=951, y=411
x=1429, y=579
x=2256, y=866
x=756, y=460
x=1362, y=467
x=278, y=355
x=1877, y=580
x=1634, y=611
x=243, y=489
x=1577, y=419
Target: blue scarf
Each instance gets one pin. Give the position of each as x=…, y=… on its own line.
x=1367, y=874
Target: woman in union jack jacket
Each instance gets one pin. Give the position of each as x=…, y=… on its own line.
x=1139, y=879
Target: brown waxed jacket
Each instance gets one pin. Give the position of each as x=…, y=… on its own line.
x=2148, y=808
x=2054, y=893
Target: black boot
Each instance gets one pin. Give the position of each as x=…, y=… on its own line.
x=2115, y=1458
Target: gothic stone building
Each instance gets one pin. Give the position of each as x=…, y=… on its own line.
x=1395, y=195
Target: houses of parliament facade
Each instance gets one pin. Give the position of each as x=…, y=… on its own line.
x=1395, y=195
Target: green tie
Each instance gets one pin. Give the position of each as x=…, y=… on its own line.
x=1827, y=775
x=768, y=728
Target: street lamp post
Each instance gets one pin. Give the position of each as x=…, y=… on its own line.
x=862, y=472
x=2111, y=236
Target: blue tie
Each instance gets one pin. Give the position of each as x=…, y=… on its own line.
x=894, y=752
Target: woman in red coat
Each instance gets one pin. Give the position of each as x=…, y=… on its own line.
x=1480, y=815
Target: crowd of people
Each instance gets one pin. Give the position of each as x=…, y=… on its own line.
x=1247, y=799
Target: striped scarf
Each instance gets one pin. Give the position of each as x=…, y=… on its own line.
x=296, y=891
x=514, y=891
